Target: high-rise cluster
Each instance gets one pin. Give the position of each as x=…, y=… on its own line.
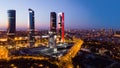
x=56, y=30
x=55, y=33
x=12, y=26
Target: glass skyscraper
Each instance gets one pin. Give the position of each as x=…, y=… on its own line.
x=61, y=26
x=11, y=25
x=53, y=22
x=52, y=32
x=31, y=27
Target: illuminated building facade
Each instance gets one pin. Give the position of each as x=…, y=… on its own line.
x=11, y=26
x=31, y=27
x=61, y=26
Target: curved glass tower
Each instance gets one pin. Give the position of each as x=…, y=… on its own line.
x=31, y=27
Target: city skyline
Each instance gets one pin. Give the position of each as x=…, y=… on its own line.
x=78, y=13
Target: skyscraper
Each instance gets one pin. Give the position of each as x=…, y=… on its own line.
x=11, y=26
x=31, y=27
x=52, y=32
x=53, y=22
x=61, y=26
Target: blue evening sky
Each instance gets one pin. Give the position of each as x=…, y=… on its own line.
x=83, y=14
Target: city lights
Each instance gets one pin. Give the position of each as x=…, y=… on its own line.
x=59, y=34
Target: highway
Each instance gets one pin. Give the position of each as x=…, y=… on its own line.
x=66, y=60
x=29, y=57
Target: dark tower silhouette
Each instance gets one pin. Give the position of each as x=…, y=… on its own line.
x=53, y=22
x=11, y=26
x=31, y=27
x=52, y=32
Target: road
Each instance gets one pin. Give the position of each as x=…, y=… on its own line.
x=64, y=61
x=67, y=59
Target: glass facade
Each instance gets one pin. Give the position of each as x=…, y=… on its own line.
x=31, y=27
x=53, y=22
x=61, y=26
x=11, y=22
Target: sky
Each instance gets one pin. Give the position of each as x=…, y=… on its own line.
x=80, y=14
